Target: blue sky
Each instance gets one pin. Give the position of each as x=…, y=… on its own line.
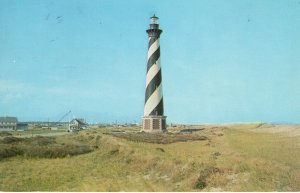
x=222, y=60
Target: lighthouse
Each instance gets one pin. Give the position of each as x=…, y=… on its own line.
x=154, y=119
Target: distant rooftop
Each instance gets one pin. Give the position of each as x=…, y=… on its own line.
x=8, y=119
x=79, y=120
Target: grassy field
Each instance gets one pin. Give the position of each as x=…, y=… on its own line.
x=239, y=157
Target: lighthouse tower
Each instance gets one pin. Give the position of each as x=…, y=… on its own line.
x=154, y=119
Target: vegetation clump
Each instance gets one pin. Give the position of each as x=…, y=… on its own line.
x=190, y=130
x=5, y=133
x=9, y=151
x=10, y=140
x=42, y=147
x=56, y=151
x=40, y=140
x=160, y=149
x=159, y=138
x=206, y=173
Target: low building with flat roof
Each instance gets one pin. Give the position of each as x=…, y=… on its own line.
x=8, y=123
x=22, y=126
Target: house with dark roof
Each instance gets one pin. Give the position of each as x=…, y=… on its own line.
x=77, y=124
x=8, y=123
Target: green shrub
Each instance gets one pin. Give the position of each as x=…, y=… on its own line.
x=10, y=140
x=40, y=140
x=43, y=147
x=159, y=138
x=56, y=151
x=201, y=181
x=5, y=133
x=9, y=151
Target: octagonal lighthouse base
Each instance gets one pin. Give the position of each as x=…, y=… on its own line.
x=154, y=123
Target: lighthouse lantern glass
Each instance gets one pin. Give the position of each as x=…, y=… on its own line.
x=154, y=20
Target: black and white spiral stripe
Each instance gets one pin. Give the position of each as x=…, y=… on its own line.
x=154, y=96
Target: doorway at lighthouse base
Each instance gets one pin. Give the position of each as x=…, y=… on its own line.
x=154, y=124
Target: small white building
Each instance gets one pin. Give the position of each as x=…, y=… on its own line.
x=8, y=123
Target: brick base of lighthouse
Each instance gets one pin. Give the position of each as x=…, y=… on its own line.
x=154, y=123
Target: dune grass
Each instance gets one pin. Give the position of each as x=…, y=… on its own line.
x=271, y=159
x=234, y=158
